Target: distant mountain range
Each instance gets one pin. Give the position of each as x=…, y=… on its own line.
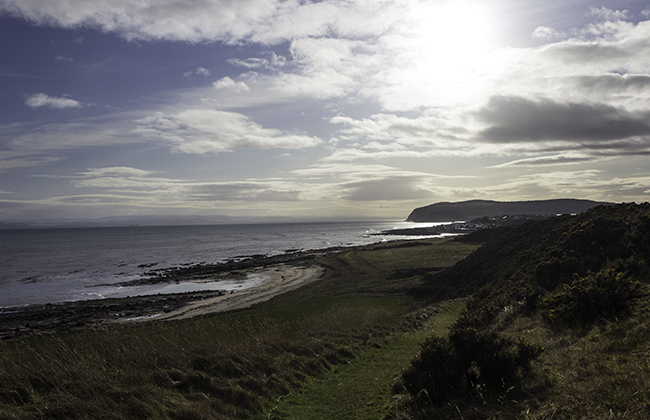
x=473, y=209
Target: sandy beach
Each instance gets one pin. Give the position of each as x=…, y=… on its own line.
x=279, y=275
x=281, y=278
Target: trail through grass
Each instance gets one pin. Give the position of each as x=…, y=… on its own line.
x=360, y=390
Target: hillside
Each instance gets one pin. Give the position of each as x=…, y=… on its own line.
x=473, y=209
x=557, y=325
x=541, y=256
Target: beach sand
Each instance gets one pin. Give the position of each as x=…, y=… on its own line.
x=278, y=278
x=282, y=278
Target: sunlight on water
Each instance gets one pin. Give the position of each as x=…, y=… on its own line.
x=57, y=265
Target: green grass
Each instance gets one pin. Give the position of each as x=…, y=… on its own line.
x=226, y=366
x=361, y=389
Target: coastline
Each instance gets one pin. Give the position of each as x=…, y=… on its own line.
x=282, y=278
x=281, y=274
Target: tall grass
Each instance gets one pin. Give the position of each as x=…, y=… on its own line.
x=219, y=367
x=226, y=366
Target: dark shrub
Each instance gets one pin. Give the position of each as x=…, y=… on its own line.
x=602, y=295
x=435, y=374
x=466, y=362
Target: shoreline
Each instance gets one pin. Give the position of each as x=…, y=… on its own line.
x=284, y=273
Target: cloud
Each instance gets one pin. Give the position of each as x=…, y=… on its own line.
x=105, y=130
x=555, y=160
x=242, y=191
x=228, y=83
x=230, y=21
x=199, y=71
x=127, y=181
x=8, y=162
x=38, y=100
x=544, y=32
x=119, y=171
x=516, y=119
x=386, y=189
x=609, y=14
x=273, y=62
x=208, y=131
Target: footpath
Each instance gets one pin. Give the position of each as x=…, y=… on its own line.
x=361, y=389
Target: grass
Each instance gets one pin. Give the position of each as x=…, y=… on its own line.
x=600, y=372
x=226, y=366
x=595, y=372
x=360, y=389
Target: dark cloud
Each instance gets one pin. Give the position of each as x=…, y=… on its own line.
x=583, y=53
x=515, y=119
x=393, y=188
x=614, y=83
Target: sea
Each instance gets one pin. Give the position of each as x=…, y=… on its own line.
x=53, y=265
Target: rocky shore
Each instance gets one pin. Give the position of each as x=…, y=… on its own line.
x=286, y=271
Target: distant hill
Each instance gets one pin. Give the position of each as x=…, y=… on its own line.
x=540, y=256
x=473, y=209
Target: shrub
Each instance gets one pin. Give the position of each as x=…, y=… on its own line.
x=468, y=361
x=602, y=295
x=435, y=374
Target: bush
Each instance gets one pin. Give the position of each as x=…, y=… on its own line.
x=435, y=374
x=602, y=295
x=467, y=362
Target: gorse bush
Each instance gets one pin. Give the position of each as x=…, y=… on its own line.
x=605, y=294
x=435, y=375
x=467, y=363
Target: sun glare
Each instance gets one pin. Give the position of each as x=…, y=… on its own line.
x=452, y=47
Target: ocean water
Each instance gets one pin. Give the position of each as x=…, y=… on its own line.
x=57, y=265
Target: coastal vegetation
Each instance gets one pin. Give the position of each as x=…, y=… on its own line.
x=549, y=319
x=557, y=325
x=232, y=365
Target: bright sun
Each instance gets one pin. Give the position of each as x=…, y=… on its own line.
x=452, y=46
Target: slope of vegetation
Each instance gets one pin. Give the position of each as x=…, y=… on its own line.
x=557, y=325
x=227, y=366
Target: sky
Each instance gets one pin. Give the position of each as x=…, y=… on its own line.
x=318, y=109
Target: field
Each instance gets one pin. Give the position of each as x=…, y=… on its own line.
x=240, y=364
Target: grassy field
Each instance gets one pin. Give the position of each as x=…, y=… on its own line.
x=360, y=389
x=233, y=365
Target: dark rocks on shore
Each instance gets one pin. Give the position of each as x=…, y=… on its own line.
x=66, y=316
x=51, y=318
x=231, y=267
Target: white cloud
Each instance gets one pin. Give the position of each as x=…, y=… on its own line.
x=209, y=131
x=38, y=100
x=231, y=21
x=128, y=182
x=544, y=32
x=119, y=171
x=554, y=160
x=273, y=62
x=228, y=83
x=199, y=71
x=609, y=14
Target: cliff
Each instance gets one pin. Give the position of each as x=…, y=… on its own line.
x=468, y=210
